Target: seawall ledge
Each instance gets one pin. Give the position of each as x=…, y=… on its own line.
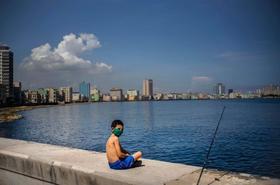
x=28, y=163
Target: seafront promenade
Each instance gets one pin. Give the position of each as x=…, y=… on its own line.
x=28, y=163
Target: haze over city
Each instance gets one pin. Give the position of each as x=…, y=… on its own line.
x=182, y=46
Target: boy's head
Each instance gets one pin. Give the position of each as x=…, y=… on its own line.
x=117, y=127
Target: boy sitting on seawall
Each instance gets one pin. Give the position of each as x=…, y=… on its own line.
x=118, y=158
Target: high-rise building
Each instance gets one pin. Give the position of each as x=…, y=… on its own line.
x=6, y=70
x=219, y=89
x=84, y=89
x=148, y=88
x=66, y=94
x=2, y=94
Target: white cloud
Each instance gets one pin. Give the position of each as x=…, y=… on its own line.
x=201, y=84
x=66, y=56
x=201, y=78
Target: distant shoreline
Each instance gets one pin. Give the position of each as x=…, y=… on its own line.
x=9, y=114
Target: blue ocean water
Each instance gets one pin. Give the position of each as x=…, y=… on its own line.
x=248, y=139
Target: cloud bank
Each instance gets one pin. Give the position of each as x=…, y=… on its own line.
x=66, y=56
x=62, y=64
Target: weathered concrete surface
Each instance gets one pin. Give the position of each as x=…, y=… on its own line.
x=214, y=177
x=23, y=162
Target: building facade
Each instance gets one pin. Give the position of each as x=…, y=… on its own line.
x=84, y=89
x=6, y=71
x=66, y=94
x=271, y=90
x=44, y=95
x=116, y=94
x=35, y=97
x=106, y=97
x=17, y=92
x=53, y=95
x=132, y=95
x=148, y=88
x=76, y=97
x=95, y=95
x=219, y=89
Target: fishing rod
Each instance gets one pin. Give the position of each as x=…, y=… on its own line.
x=213, y=139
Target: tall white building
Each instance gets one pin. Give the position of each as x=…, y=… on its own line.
x=53, y=95
x=220, y=89
x=66, y=94
x=6, y=70
x=148, y=88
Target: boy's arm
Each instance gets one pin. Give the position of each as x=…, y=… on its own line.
x=123, y=150
x=119, y=149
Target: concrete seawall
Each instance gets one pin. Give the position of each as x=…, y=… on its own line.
x=28, y=163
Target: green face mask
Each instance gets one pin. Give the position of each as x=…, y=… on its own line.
x=117, y=132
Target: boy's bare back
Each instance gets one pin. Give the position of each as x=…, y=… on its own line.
x=111, y=151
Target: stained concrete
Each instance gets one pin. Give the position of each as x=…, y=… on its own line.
x=23, y=162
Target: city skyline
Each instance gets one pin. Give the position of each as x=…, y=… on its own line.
x=182, y=46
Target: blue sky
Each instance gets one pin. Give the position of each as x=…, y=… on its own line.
x=181, y=45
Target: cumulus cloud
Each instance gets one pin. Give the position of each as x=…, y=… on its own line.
x=66, y=56
x=63, y=64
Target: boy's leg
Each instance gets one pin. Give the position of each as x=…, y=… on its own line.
x=137, y=155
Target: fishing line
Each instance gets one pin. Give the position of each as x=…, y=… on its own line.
x=210, y=147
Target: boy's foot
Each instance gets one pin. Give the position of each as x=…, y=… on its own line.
x=137, y=163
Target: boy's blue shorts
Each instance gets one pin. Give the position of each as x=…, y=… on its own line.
x=124, y=163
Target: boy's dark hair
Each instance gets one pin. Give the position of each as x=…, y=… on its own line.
x=116, y=122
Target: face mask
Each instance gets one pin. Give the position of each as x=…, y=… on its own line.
x=117, y=132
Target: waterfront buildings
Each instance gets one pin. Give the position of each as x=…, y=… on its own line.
x=17, y=92
x=76, y=97
x=84, y=89
x=53, y=95
x=26, y=96
x=44, y=95
x=106, y=97
x=219, y=89
x=6, y=73
x=158, y=96
x=132, y=95
x=66, y=94
x=95, y=95
x=35, y=97
x=116, y=94
x=147, y=89
x=271, y=90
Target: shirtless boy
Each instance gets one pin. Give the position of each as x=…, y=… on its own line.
x=119, y=158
